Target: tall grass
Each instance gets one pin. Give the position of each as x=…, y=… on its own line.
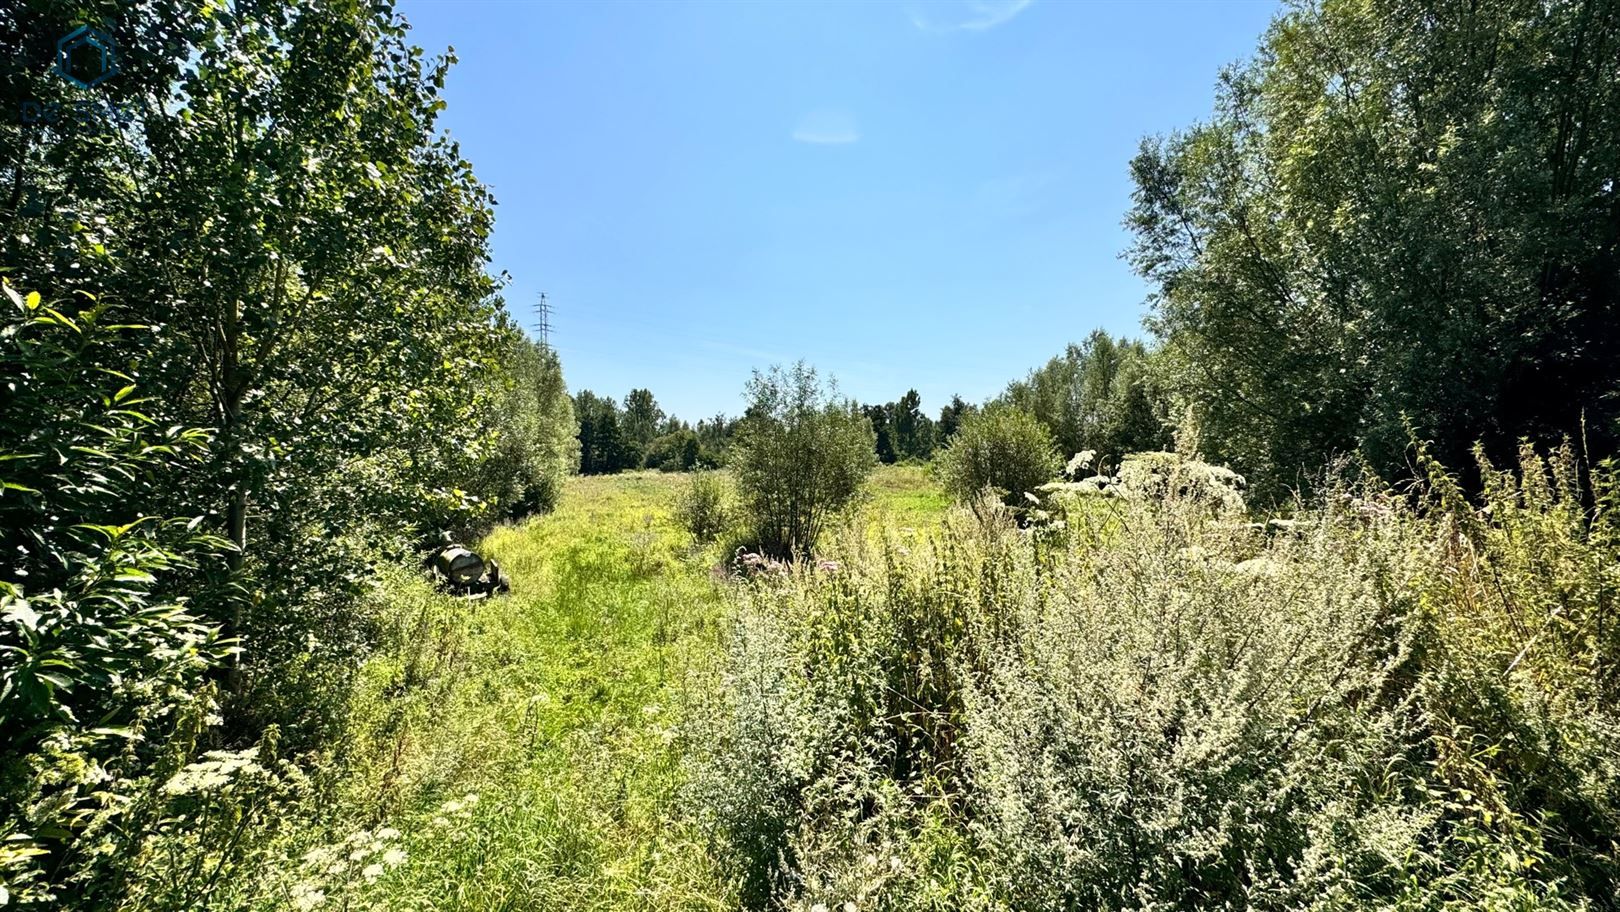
x=500, y=754
x=1398, y=701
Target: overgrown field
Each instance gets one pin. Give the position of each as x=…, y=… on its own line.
x=1137, y=698
x=526, y=747
x=1141, y=701
x=528, y=752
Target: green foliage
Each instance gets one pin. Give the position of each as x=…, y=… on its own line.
x=303, y=365
x=678, y=451
x=642, y=436
x=310, y=249
x=603, y=448
x=1389, y=703
x=642, y=418
x=799, y=458
x=1003, y=449
x=1099, y=396
x=102, y=659
x=714, y=439
x=704, y=508
x=901, y=429
x=1385, y=224
x=950, y=419
x=536, y=442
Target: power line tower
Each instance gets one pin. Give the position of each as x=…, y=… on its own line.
x=543, y=309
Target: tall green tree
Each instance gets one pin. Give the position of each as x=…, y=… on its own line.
x=535, y=441
x=950, y=418
x=882, y=431
x=1402, y=211
x=601, y=437
x=276, y=203
x=913, y=432
x=643, y=419
x=1099, y=395
x=284, y=207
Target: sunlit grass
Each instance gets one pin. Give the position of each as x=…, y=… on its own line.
x=555, y=707
x=558, y=707
x=905, y=496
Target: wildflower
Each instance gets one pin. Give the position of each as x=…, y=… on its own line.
x=306, y=897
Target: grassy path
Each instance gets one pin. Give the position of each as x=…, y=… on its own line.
x=555, y=708
x=526, y=748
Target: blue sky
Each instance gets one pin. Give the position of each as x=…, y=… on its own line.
x=910, y=194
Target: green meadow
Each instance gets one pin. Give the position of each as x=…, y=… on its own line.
x=528, y=748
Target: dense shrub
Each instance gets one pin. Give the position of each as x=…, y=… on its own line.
x=1393, y=703
x=103, y=657
x=704, y=508
x=800, y=457
x=1001, y=448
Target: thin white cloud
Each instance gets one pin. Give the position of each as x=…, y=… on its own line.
x=965, y=15
x=827, y=128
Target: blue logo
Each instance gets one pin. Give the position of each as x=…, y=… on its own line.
x=86, y=57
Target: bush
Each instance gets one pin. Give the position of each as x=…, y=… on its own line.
x=1391, y=703
x=801, y=455
x=102, y=663
x=704, y=508
x=1001, y=448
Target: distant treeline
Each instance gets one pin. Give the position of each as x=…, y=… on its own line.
x=637, y=434
x=1098, y=395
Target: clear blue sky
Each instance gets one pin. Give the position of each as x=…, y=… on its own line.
x=908, y=194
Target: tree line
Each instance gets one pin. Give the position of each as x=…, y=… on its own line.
x=1101, y=394
x=635, y=433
